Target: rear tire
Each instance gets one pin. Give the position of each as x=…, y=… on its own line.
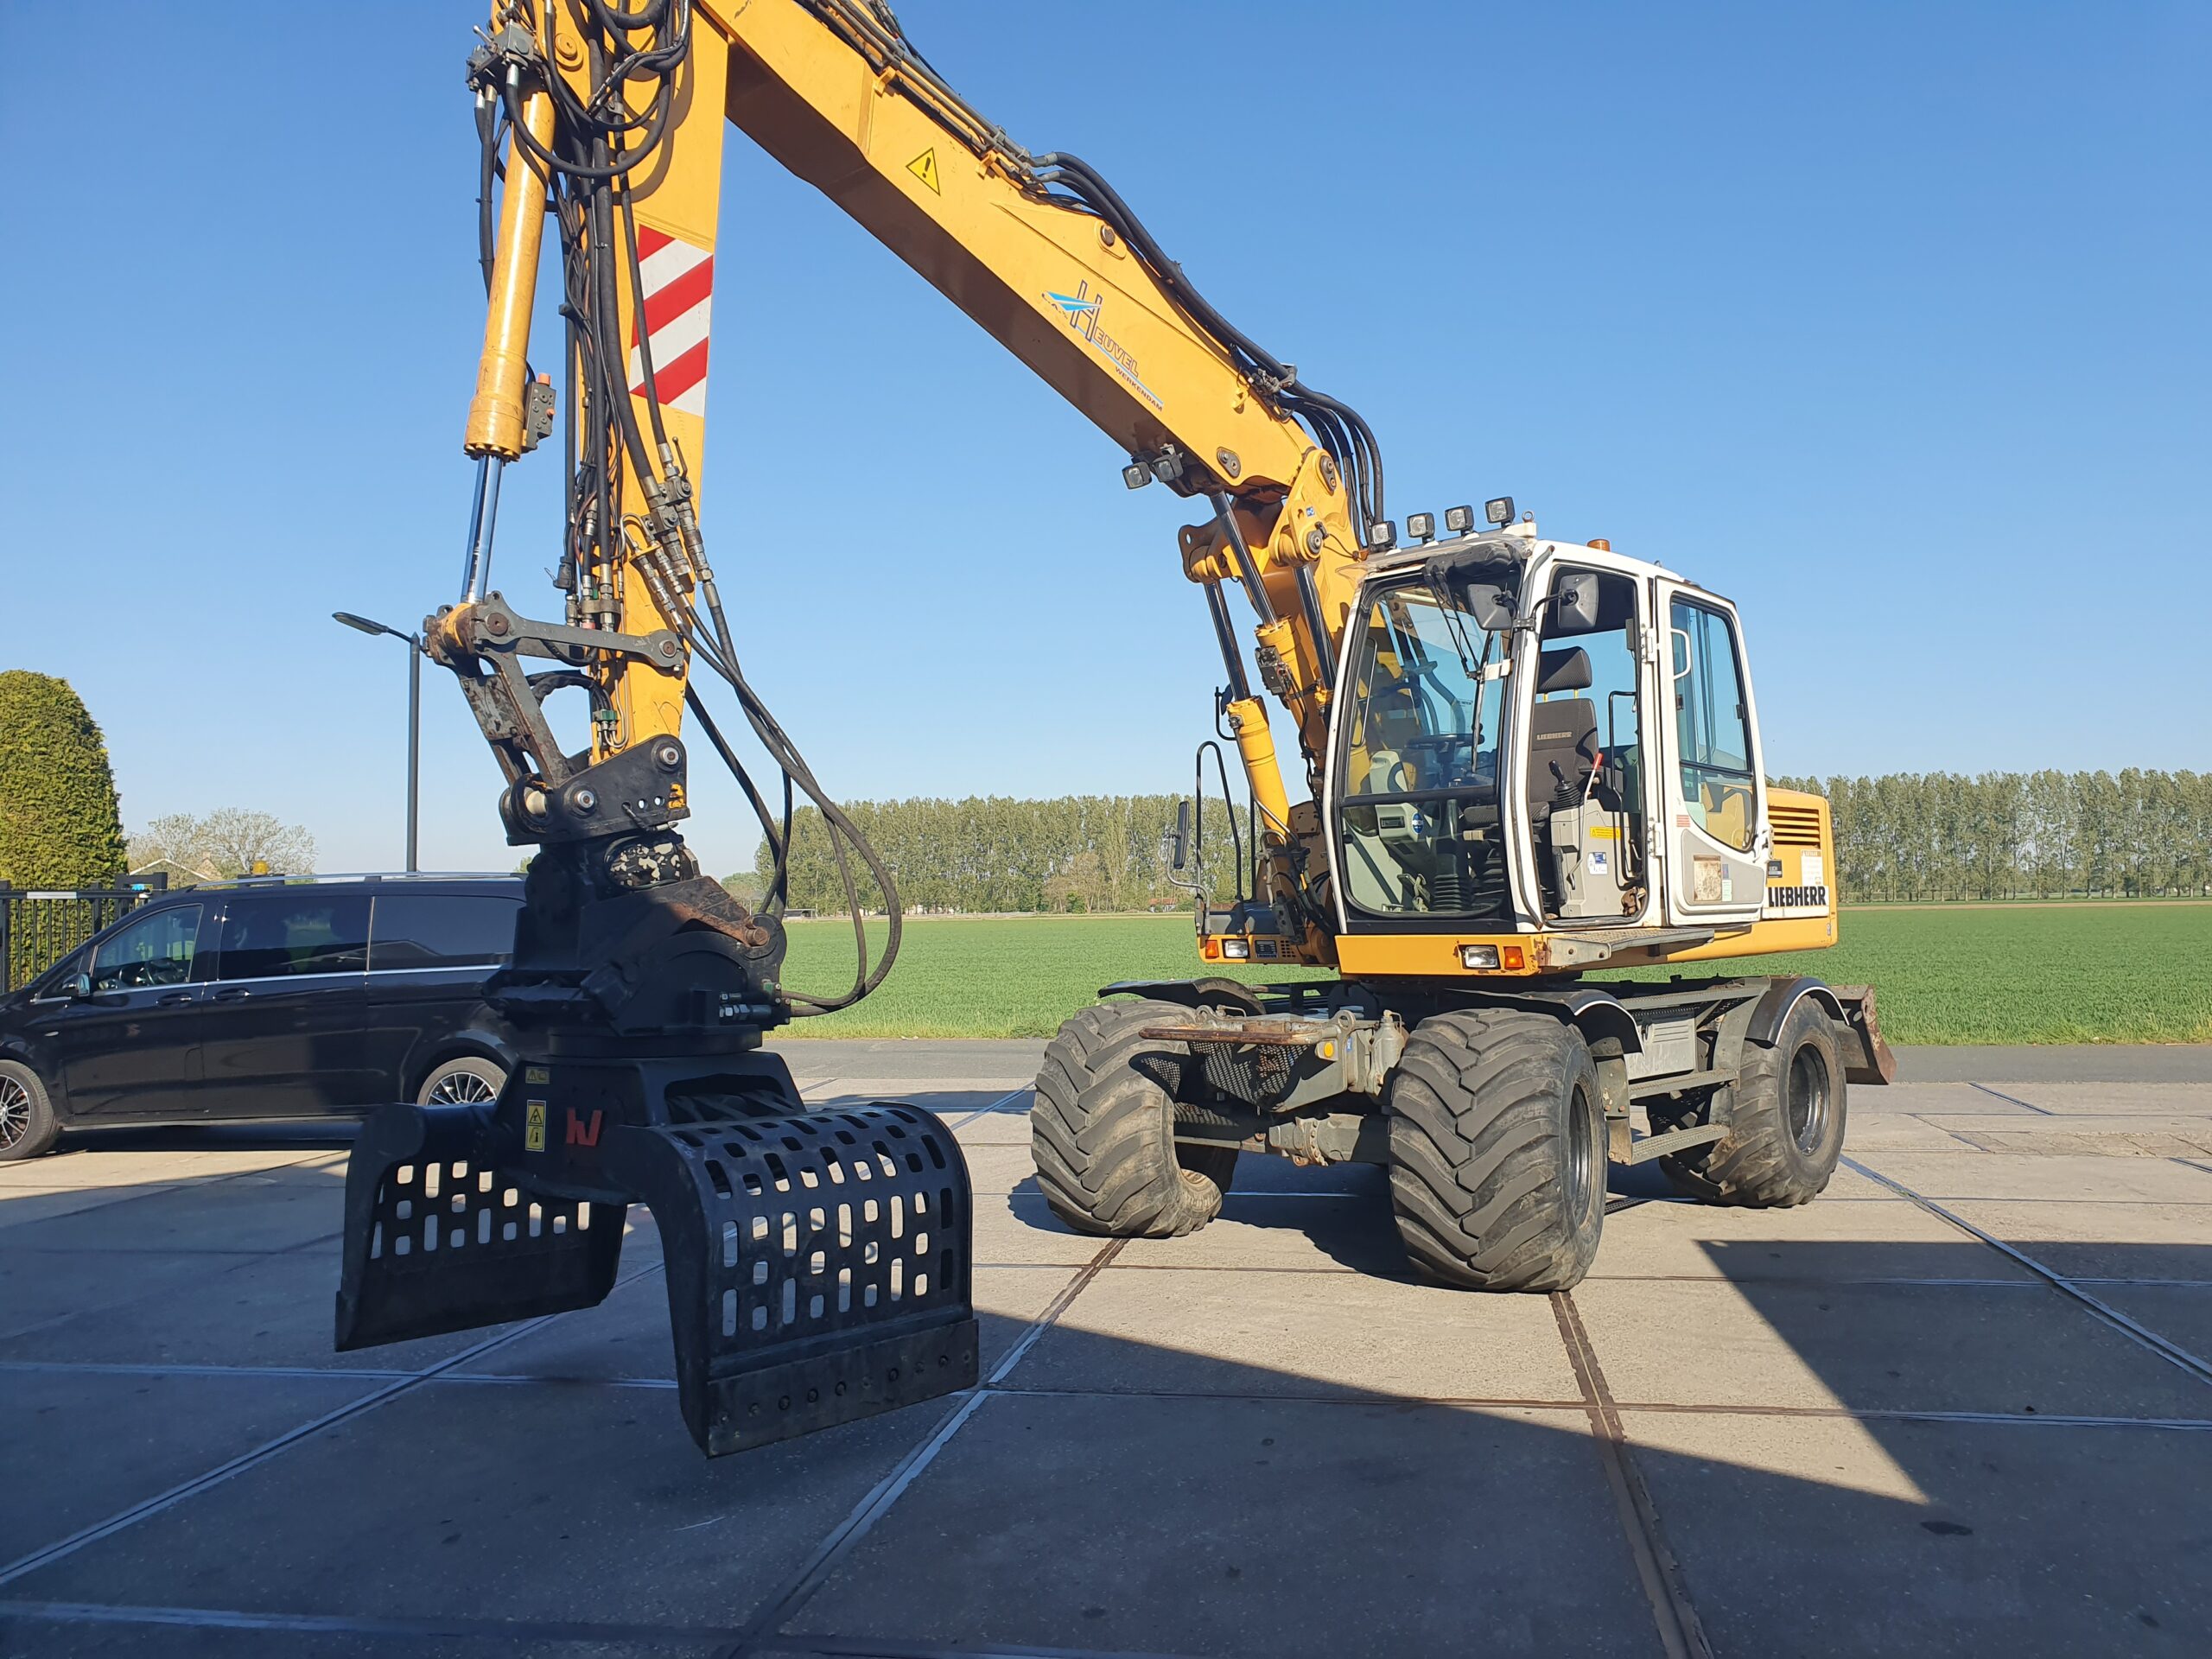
x=1103, y=1135
x=28, y=1128
x=469, y=1080
x=1785, y=1117
x=1497, y=1151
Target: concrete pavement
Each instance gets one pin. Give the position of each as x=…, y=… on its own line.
x=1961, y=1403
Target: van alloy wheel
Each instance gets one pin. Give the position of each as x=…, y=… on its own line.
x=459, y=1088
x=15, y=1112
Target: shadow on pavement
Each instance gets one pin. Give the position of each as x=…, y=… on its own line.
x=1847, y=1447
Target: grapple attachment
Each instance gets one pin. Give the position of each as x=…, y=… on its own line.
x=817, y=1263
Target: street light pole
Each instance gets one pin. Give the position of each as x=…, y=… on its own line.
x=414, y=746
x=414, y=644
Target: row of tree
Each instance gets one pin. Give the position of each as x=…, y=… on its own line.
x=1909, y=836
x=993, y=853
x=1931, y=836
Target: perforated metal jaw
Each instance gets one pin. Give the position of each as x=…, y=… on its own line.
x=819, y=1264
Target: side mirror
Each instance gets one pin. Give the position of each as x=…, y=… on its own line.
x=80, y=985
x=1492, y=605
x=1576, y=598
x=1178, y=838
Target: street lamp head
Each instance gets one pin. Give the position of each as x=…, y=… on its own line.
x=365, y=624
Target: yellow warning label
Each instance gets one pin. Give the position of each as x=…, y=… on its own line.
x=923, y=167
x=533, y=1135
x=537, y=1074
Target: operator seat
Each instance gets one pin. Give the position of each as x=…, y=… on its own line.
x=1562, y=734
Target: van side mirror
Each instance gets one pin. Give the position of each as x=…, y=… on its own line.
x=80, y=985
x=1576, y=598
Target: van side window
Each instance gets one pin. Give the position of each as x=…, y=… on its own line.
x=425, y=929
x=289, y=932
x=155, y=950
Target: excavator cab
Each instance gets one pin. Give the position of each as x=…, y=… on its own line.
x=1503, y=753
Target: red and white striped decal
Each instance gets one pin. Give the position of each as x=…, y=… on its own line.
x=679, y=295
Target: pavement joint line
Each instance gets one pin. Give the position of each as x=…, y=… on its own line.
x=2172, y=1353
x=2014, y=1099
x=1033, y=1197
x=843, y=1538
x=1660, y=1573
x=1457, y=1402
x=1909, y=1415
x=985, y=1111
x=246, y=1259
x=861, y=1647
x=267, y=1449
x=487, y=1630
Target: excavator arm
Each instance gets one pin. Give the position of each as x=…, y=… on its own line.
x=816, y=1261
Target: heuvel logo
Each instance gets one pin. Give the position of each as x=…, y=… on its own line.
x=581, y=1134
x=1081, y=308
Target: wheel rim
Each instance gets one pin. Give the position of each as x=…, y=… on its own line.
x=1808, y=1104
x=462, y=1089
x=15, y=1113
x=1581, y=1152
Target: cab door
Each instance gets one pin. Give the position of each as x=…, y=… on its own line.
x=1715, y=799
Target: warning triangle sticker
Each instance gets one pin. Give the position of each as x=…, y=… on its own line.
x=923, y=167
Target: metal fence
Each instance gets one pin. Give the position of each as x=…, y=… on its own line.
x=38, y=928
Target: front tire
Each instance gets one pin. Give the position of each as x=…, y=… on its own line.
x=1497, y=1151
x=1103, y=1133
x=28, y=1128
x=469, y=1080
x=1785, y=1117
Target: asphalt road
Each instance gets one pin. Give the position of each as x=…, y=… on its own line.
x=1961, y=1404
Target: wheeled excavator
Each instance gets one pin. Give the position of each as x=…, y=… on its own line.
x=1520, y=759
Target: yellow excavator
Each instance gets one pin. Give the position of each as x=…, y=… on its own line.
x=1522, y=760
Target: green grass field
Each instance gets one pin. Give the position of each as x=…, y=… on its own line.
x=2023, y=974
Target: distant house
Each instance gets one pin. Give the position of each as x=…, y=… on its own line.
x=179, y=876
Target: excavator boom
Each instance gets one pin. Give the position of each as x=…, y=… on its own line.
x=1467, y=819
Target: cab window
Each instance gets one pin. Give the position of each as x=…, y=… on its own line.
x=155, y=950
x=285, y=933
x=1586, y=758
x=1713, y=726
x=1420, y=799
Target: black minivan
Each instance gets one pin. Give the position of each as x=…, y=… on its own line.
x=267, y=997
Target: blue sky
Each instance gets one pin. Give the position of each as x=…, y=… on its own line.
x=1888, y=321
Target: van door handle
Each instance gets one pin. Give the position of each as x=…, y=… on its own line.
x=175, y=1000
x=236, y=994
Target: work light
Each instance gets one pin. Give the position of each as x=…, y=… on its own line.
x=1458, y=520
x=1500, y=511
x=1421, y=527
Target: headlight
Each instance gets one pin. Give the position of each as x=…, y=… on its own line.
x=1479, y=955
x=1237, y=950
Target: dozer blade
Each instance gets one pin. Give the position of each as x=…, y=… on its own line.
x=818, y=1264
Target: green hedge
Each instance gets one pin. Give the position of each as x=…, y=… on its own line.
x=60, y=823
